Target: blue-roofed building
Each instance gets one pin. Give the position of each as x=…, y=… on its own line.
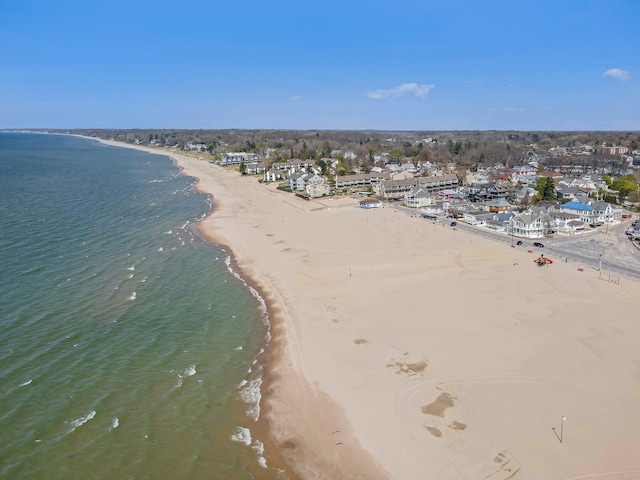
x=595, y=214
x=582, y=211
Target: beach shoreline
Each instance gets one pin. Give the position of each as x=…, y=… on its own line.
x=409, y=349
x=293, y=459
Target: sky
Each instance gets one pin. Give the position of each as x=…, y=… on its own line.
x=350, y=64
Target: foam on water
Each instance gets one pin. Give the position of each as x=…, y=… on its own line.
x=242, y=435
x=82, y=420
x=132, y=296
x=187, y=372
x=258, y=446
x=251, y=396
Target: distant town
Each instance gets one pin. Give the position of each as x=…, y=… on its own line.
x=528, y=184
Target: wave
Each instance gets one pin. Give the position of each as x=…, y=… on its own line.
x=251, y=395
x=25, y=383
x=187, y=372
x=242, y=435
x=82, y=420
x=132, y=296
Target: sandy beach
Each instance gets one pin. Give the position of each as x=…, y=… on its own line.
x=406, y=349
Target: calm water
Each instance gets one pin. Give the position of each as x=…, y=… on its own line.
x=127, y=347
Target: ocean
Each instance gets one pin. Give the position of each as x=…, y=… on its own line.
x=128, y=346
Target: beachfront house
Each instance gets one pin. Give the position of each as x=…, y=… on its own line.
x=315, y=188
x=299, y=180
x=604, y=212
x=272, y=175
x=417, y=197
x=255, y=168
x=567, y=223
x=529, y=225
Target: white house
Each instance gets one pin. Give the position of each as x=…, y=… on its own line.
x=255, y=168
x=527, y=225
x=299, y=180
x=417, y=197
x=568, y=223
x=272, y=175
x=295, y=181
x=582, y=211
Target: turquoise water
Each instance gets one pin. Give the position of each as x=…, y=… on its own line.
x=127, y=346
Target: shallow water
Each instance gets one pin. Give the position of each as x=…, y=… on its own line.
x=127, y=346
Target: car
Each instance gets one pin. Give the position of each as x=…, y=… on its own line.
x=538, y=244
x=453, y=224
x=519, y=242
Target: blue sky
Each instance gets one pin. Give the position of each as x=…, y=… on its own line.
x=394, y=65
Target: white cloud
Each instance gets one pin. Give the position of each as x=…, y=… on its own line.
x=618, y=74
x=419, y=91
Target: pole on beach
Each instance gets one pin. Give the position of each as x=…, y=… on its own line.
x=562, y=428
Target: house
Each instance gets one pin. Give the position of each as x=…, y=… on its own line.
x=568, y=223
x=417, y=197
x=569, y=193
x=582, y=211
x=299, y=180
x=527, y=225
x=604, y=212
x=317, y=189
x=272, y=175
x=476, y=217
x=255, y=168
x=295, y=181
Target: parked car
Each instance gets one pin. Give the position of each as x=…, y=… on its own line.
x=538, y=244
x=519, y=242
x=453, y=224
